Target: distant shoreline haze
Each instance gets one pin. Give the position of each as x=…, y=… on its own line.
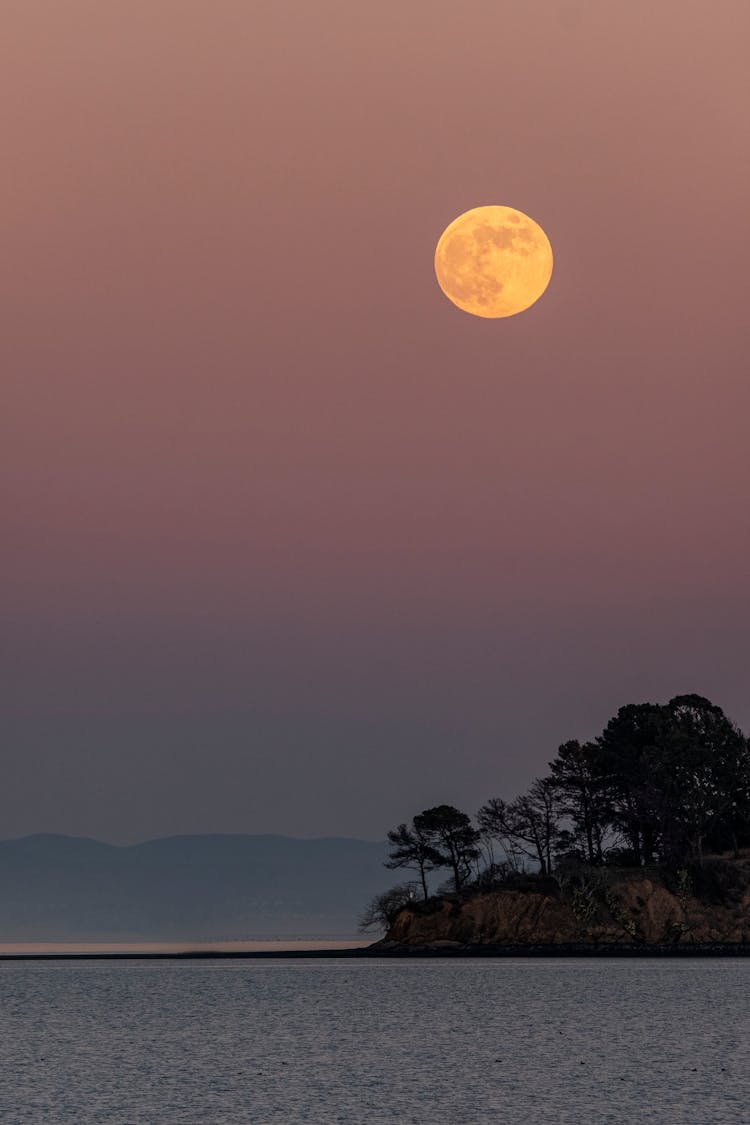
x=214, y=888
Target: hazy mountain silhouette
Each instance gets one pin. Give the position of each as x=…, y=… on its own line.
x=58, y=888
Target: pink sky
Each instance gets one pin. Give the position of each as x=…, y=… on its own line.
x=290, y=543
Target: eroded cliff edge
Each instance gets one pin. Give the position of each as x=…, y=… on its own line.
x=708, y=905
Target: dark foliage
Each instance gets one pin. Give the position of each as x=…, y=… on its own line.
x=413, y=848
x=453, y=839
x=381, y=911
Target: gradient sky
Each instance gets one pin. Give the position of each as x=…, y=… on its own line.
x=290, y=543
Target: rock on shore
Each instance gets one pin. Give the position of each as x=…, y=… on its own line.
x=595, y=907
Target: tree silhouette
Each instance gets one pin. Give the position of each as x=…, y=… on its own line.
x=454, y=840
x=584, y=804
x=496, y=825
x=413, y=849
x=706, y=776
x=380, y=913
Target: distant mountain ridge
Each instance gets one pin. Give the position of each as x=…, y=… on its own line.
x=203, y=887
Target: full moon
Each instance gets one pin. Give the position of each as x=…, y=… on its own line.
x=493, y=261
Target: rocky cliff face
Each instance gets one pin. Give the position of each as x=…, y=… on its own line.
x=596, y=907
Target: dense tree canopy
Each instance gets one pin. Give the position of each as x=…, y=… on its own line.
x=674, y=778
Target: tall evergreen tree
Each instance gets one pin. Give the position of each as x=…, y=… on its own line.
x=630, y=760
x=581, y=786
x=706, y=776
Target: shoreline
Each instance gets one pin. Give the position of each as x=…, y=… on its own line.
x=378, y=952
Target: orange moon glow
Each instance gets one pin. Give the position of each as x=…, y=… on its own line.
x=493, y=261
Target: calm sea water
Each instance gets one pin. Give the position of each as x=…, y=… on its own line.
x=427, y=1042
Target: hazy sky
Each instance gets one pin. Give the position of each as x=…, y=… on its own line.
x=290, y=543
